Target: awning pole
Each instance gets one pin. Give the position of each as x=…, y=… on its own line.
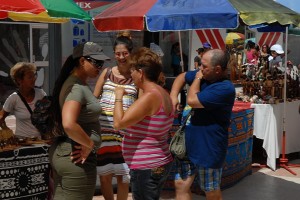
x=180, y=48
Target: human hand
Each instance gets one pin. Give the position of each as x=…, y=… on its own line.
x=80, y=153
x=119, y=92
x=199, y=74
x=175, y=103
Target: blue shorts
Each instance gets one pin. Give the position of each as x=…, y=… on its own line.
x=209, y=179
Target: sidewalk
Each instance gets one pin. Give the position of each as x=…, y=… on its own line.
x=263, y=184
x=166, y=195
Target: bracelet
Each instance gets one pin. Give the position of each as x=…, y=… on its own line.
x=118, y=100
x=198, y=78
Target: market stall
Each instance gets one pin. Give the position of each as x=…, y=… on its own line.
x=268, y=126
x=24, y=173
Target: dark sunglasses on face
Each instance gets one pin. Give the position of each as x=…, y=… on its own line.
x=96, y=63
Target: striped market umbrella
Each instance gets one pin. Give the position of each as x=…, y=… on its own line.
x=47, y=11
x=162, y=15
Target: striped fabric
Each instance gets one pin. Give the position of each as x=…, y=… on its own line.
x=110, y=159
x=145, y=144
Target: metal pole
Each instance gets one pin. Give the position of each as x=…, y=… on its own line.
x=285, y=81
x=180, y=48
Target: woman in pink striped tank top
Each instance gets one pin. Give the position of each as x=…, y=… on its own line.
x=147, y=122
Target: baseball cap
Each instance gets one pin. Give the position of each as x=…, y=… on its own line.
x=206, y=45
x=90, y=49
x=277, y=48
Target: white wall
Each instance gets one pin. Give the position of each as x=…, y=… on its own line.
x=216, y=37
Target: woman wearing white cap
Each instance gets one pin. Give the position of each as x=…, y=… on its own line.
x=275, y=60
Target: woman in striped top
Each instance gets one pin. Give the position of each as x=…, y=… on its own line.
x=110, y=161
x=147, y=122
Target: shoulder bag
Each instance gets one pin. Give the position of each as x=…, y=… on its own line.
x=177, y=145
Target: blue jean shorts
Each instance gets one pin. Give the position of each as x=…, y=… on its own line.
x=147, y=184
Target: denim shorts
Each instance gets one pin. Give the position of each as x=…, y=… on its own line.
x=147, y=184
x=209, y=179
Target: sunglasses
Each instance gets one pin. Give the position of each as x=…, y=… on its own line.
x=96, y=63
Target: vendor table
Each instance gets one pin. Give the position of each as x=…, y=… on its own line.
x=24, y=173
x=268, y=126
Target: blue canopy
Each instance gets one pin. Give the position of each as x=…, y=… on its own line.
x=167, y=15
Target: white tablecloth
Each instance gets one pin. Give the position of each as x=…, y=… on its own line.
x=268, y=125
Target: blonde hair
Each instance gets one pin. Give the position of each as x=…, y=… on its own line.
x=18, y=71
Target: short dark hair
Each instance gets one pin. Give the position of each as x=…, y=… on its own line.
x=200, y=50
x=125, y=41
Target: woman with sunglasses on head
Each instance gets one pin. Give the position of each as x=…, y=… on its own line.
x=75, y=112
x=110, y=159
x=147, y=123
x=24, y=76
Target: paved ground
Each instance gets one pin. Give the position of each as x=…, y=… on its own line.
x=268, y=184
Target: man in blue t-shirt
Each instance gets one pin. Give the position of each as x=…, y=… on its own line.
x=211, y=97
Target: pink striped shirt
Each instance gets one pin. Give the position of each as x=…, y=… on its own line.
x=145, y=144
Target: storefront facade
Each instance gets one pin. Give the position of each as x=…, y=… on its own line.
x=23, y=42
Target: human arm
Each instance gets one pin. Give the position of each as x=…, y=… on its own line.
x=137, y=111
x=100, y=83
x=192, y=97
x=3, y=115
x=177, y=86
x=70, y=113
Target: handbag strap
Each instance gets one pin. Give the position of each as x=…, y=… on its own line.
x=25, y=102
x=186, y=119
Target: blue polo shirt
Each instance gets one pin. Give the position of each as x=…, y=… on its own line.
x=207, y=134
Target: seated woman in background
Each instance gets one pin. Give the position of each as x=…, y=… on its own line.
x=252, y=52
x=147, y=122
x=265, y=52
x=24, y=76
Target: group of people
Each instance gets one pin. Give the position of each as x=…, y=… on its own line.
x=259, y=62
x=121, y=128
